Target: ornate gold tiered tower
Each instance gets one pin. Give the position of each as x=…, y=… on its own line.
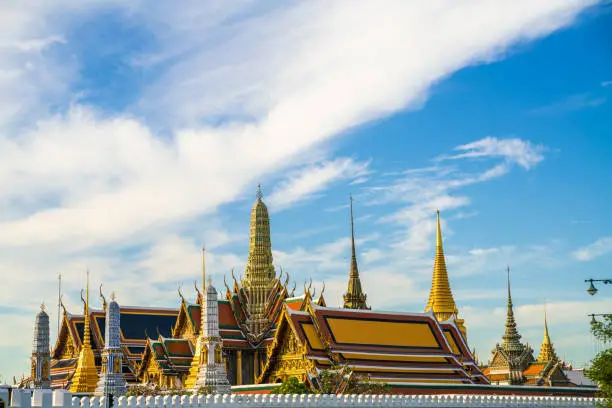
x=260, y=276
x=86, y=376
x=441, y=300
x=547, y=351
x=354, y=298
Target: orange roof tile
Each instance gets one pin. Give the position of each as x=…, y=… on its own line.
x=534, y=368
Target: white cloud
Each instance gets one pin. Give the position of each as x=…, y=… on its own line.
x=306, y=182
x=598, y=248
x=570, y=104
x=514, y=151
x=606, y=83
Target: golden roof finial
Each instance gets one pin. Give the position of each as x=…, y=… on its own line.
x=43, y=307
x=438, y=230
x=86, y=335
x=259, y=193
x=113, y=296
x=441, y=300
x=86, y=376
x=547, y=351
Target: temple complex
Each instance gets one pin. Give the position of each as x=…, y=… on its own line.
x=261, y=332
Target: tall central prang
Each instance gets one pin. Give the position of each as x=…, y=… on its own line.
x=260, y=276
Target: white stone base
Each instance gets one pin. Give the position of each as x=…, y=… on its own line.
x=213, y=376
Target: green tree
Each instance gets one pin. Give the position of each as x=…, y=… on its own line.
x=601, y=366
x=343, y=380
x=292, y=386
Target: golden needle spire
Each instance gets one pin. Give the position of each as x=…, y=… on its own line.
x=86, y=375
x=547, y=351
x=86, y=335
x=440, y=296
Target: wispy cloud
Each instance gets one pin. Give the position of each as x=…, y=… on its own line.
x=570, y=104
x=513, y=151
x=601, y=247
x=307, y=182
x=606, y=83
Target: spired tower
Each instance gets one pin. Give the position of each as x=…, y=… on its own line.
x=354, y=298
x=260, y=276
x=211, y=370
x=547, y=351
x=86, y=376
x=512, y=357
x=111, y=380
x=441, y=300
x=41, y=355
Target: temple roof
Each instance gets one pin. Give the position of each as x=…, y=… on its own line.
x=389, y=346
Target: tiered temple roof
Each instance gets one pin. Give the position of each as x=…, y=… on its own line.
x=392, y=347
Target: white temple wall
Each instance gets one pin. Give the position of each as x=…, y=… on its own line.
x=64, y=399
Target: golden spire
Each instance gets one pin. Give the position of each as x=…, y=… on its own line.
x=86, y=376
x=354, y=298
x=441, y=300
x=547, y=351
x=86, y=329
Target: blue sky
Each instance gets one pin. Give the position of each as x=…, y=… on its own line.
x=131, y=134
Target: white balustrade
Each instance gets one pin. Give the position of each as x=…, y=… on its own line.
x=23, y=398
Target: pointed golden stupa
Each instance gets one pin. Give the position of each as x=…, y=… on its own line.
x=547, y=351
x=441, y=300
x=86, y=375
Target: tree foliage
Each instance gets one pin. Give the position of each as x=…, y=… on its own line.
x=602, y=330
x=338, y=380
x=292, y=386
x=601, y=372
x=342, y=379
x=601, y=366
x=147, y=390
